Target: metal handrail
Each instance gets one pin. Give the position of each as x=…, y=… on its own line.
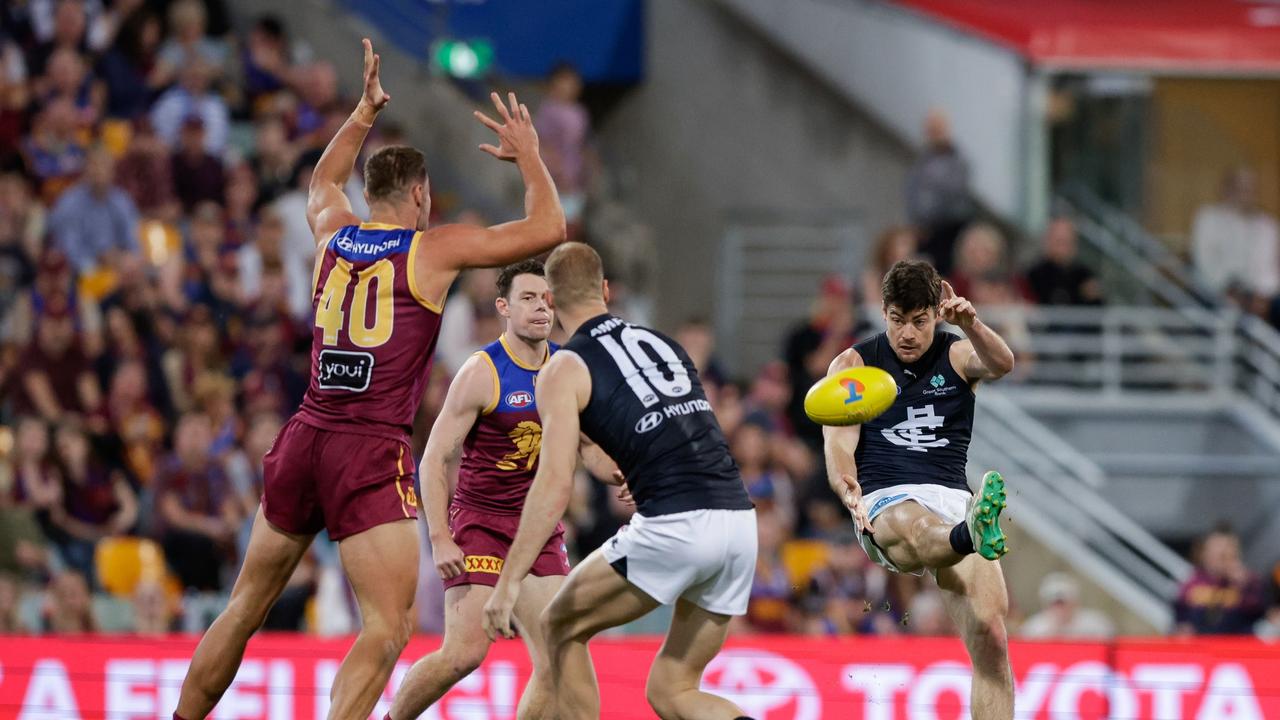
x=1156, y=259
x=1112, y=549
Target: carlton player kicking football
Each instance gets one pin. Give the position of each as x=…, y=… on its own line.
x=343, y=462
x=902, y=474
x=490, y=419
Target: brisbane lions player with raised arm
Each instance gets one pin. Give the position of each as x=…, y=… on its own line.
x=343, y=462
x=490, y=426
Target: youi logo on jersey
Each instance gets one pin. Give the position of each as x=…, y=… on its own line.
x=520, y=399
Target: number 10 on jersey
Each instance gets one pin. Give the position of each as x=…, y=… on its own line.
x=331, y=315
x=641, y=371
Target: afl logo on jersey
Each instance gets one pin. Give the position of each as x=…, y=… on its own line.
x=520, y=399
x=650, y=421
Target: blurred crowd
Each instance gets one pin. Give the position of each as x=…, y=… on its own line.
x=155, y=300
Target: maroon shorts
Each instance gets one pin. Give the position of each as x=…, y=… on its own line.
x=315, y=479
x=485, y=538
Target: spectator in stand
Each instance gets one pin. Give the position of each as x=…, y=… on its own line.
x=145, y=172
x=56, y=377
x=68, y=606
x=94, y=220
x=152, y=610
x=927, y=615
x=14, y=98
x=197, y=350
x=69, y=31
x=199, y=514
x=129, y=67
x=68, y=78
x=193, y=97
x=1061, y=616
x=22, y=223
x=197, y=175
x=770, y=488
x=830, y=329
x=468, y=318
x=135, y=421
x=32, y=491
x=1268, y=628
x=564, y=134
x=771, y=608
x=241, y=201
x=938, y=199
x=97, y=501
x=1235, y=245
x=266, y=253
x=273, y=158
x=979, y=256
x=53, y=152
x=317, y=86
x=10, y=605
x=1222, y=596
x=1059, y=278
x=844, y=590
x=698, y=339
x=267, y=62
x=893, y=245
x=188, y=43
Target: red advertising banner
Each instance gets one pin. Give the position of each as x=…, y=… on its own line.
x=287, y=677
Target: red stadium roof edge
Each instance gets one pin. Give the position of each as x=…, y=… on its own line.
x=1175, y=36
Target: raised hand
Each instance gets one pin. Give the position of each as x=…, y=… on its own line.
x=955, y=309
x=374, y=95
x=516, y=136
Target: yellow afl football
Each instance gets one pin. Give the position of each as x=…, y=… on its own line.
x=850, y=397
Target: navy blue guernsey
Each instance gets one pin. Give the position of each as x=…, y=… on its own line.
x=649, y=413
x=923, y=438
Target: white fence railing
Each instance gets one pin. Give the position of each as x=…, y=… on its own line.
x=1113, y=350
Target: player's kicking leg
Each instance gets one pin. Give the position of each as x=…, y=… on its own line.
x=382, y=565
x=269, y=562
x=596, y=597
x=465, y=647
x=913, y=539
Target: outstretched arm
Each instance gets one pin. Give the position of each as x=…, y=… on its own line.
x=984, y=355
x=327, y=206
x=838, y=447
x=563, y=386
x=469, y=395
x=456, y=247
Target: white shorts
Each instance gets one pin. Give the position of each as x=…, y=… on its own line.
x=950, y=504
x=707, y=557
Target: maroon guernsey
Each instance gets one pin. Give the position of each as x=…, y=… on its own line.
x=374, y=333
x=500, y=454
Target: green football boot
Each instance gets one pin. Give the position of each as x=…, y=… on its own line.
x=983, y=517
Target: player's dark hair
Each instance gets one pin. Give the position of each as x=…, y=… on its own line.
x=394, y=169
x=508, y=274
x=912, y=285
x=575, y=274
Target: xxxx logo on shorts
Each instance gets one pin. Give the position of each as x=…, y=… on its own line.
x=483, y=564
